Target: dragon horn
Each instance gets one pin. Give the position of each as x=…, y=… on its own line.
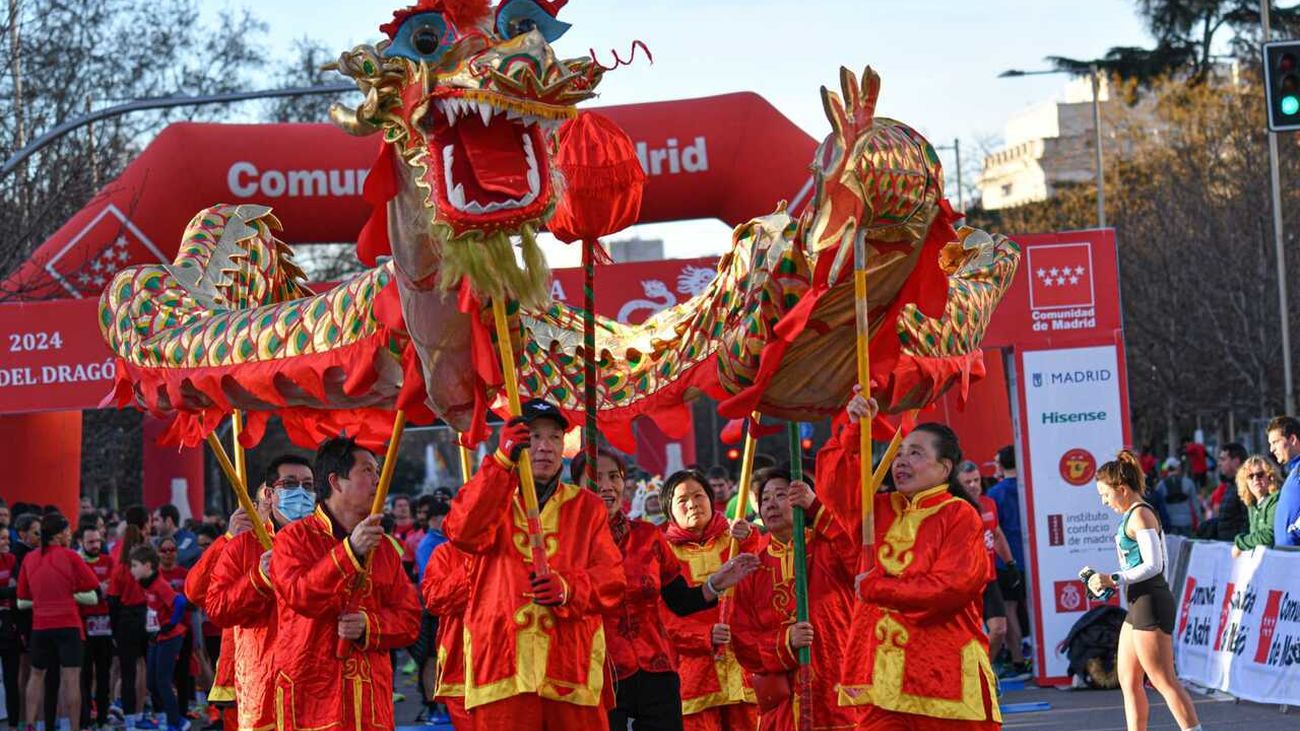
x=864, y=98
x=834, y=107
x=348, y=120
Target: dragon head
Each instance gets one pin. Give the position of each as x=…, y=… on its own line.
x=870, y=173
x=470, y=95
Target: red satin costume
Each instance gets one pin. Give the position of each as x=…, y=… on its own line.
x=765, y=611
x=531, y=666
x=315, y=572
x=916, y=656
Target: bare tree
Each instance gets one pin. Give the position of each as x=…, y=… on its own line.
x=1189, y=199
x=63, y=56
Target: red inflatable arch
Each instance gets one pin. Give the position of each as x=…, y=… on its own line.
x=730, y=157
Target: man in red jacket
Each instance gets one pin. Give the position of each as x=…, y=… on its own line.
x=222, y=693
x=241, y=597
x=323, y=592
x=535, y=643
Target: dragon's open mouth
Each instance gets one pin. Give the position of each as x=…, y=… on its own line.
x=488, y=160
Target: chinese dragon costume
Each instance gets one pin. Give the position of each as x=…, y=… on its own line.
x=465, y=101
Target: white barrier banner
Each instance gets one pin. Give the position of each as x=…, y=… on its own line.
x=1238, y=626
x=1073, y=418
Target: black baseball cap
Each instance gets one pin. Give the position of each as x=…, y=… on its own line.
x=535, y=409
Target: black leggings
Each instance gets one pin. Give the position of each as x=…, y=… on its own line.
x=9, y=660
x=130, y=649
x=184, y=678
x=96, y=670
x=652, y=701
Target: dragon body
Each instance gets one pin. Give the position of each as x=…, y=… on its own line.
x=467, y=100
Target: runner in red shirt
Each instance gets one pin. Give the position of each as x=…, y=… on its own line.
x=96, y=670
x=52, y=582
x=995, y=611
x=175, y=574
x=10, y=644
x=126, y=603
x=165, y=609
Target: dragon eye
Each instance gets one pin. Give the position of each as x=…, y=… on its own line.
x=426, y=40
x=516, y=17
x=519, y=26
x=423, y=37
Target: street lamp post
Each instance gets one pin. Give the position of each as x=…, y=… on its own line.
x=1278, y=238
x=1095, y=73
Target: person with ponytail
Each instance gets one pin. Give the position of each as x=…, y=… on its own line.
x=716, y=694
x=648, y=688
x=1146, y=639
x=127, y=612
x=916, y=655
x=54, y=583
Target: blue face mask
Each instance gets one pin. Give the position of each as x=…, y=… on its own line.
x=295, y=502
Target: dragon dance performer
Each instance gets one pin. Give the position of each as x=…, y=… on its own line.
x=240, y=595
x=768, y=637
x=535, y=644
x=716, y=695
x=649, y=688
x=315, y=570
x=197, y=582
x=917, y=656
x=446, y=590
x=446, y=595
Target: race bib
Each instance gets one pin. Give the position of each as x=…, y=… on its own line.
x=98, y=626
x=151, y=621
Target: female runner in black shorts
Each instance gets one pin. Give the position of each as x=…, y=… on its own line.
x=1145, y=642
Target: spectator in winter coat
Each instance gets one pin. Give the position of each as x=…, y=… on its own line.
x=1229, y=510
x=1180, y=498
x=1258, y=483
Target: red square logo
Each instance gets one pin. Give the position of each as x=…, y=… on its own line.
x=1060, y=276
x=1055, y=530
x=1071, y=596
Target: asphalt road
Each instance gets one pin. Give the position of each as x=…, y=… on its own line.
x=1093, y=710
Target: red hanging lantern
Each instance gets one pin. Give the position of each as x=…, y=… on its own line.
x=603, y=179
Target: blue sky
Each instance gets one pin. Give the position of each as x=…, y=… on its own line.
x=938, y=59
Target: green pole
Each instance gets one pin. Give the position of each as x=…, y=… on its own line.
x=804, y=709
x=800, y=544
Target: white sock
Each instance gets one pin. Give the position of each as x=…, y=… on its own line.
x=1197, y=727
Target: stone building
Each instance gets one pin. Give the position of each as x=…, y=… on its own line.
x=1046, y=146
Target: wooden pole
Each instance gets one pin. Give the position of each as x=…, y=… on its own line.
x=466, y=463
x=344, y=647
x=803, y=711
x=390, y=464
x=864, y=382
x=241, y=491
x=526, y=484
x=241, y=459
x=882, y=469
x=746, y=473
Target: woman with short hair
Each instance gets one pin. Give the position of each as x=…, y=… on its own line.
x=1146, y=639
x=716, y=694
x=648, y=690
x=1258, y=484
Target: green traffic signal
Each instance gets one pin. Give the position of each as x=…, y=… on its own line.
x=1290, y=104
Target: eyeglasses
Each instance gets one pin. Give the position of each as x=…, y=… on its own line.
x=290, y=484
x=1259, y=476
x=167, y=550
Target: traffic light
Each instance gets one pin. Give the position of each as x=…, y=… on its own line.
x=1282, y=85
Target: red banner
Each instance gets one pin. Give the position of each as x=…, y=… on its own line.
x=54, y=357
